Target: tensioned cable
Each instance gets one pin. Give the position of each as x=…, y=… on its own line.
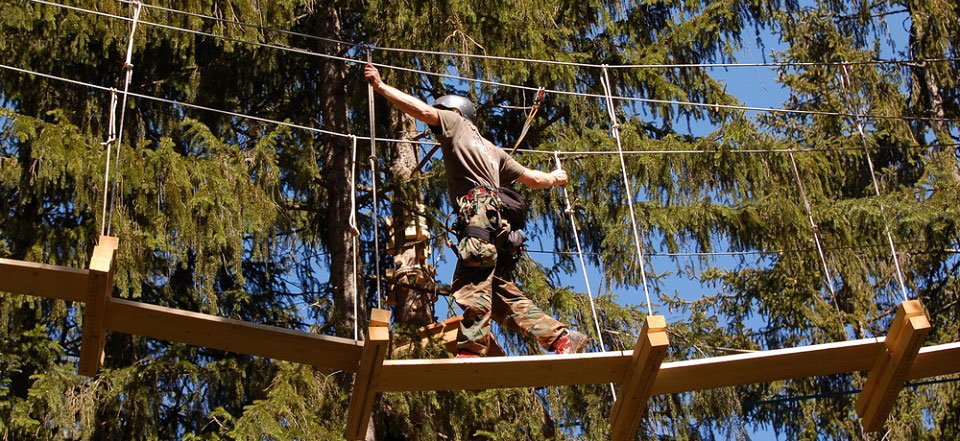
x=111, y=137
x=845, y=84
x=355, y=234
x=348, y=60
x=432, y=143
x=615, y=129
x=828, y=277
x=128, y=78
x=583, y=266
x=373, y=178
x=549, y=62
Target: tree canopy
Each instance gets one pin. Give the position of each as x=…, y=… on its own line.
x=244, y=218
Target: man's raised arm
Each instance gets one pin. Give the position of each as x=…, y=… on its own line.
x=407, y=103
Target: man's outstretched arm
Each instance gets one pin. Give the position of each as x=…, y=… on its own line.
x=537, y=179
x=407, y=103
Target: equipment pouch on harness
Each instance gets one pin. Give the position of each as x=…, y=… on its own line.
x=478, y=224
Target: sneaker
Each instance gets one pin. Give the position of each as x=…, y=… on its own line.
x=571, y=342
x=466, y=354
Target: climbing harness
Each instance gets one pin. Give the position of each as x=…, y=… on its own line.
x=478, y=225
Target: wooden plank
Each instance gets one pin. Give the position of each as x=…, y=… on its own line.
x=365, y=382
x=892, y=366
x=649, y=352
x=767, y=366
x=41, y=280
x=502, y=372
x=231, y=335
x=934, y=361
x=609, y=367
x=100, y=288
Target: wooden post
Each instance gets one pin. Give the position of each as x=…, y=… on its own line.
x=99, y=289
x=638, y=380
x=368, y=375
x=892, y=366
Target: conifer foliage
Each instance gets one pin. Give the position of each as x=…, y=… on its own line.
x=247, y=219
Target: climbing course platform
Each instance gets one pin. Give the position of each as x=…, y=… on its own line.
x=889, y=361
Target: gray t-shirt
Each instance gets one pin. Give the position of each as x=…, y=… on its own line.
x=471, y=161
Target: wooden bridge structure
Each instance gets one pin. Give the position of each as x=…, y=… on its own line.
x=889, y=361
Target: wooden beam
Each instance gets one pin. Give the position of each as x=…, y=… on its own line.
x=99, y=289
x=365, y=382
x=934, y=361
x=379, y=317
x=892, y=366
x=609, y=367
x=767, y=366
x=503, y=372
x=649, y=352
x=41, y=280
x=231, y=335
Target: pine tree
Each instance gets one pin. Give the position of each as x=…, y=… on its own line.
x=244, y=219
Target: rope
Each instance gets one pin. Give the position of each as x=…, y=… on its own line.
x=828, y=277
x=552, y=62
x=355, y=234
x=714, y=106
x=583, y=267
x=537, y=100
x=615, y=128
x=373, y=172
x=432, y=143
x=128, y=68
x=111, y=137
x=845, y=83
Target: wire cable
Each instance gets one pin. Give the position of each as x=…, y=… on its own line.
x=111, y=137
x=845, y=84
x=615, y=129
x=713, y=106
x=355, y=235
x=128, y=78
x=373, y=171
x=583, y=267
x=828, y=277
x=551, y=62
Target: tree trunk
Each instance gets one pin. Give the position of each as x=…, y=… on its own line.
x=336, y=169
x=413, y=307
x=927, y=94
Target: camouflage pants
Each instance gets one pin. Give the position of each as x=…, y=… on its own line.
x=487, y=294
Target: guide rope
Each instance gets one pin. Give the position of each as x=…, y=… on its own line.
x=128, y=78
x=355, y=235
x=845, y=84
x=583, y=266
x=615, y=129
x=828, y=277
x=375, y=217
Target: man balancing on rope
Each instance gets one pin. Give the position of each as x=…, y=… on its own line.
x=489, y=240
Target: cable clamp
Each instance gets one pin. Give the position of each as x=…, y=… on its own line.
x=127, y=66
